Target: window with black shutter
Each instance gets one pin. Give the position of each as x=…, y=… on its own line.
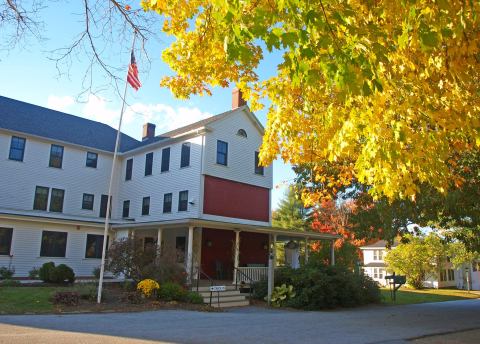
x=258, y=169
x=185, y=155
x=167, y=203
x=129, y=168
x=146, y=206
x=165, y=159
x=126, y=209
x=183, y=201
x=103, y=206
x=148, y=164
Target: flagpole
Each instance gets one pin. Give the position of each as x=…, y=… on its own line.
x=112, y=172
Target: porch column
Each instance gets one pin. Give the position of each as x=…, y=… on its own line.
x=236, y=256
x=159, y=241
x=332, y=253
x=306, y=250
x=189, y=264
x=271, y=267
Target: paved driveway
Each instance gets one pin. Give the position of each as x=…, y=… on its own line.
x=378, y=324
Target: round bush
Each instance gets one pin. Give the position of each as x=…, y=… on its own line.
x=62, y=273
x=170, y=291
x=45, y=271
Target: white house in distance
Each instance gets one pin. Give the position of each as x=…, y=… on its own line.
x=198, y=189
x=375, y=267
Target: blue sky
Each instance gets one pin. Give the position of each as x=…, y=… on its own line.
x=28, y=74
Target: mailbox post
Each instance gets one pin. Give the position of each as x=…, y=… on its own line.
x=395, y=284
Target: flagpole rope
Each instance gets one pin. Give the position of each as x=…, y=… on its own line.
x=108, y=212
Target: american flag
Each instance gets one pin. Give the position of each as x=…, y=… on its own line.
x=132, y=76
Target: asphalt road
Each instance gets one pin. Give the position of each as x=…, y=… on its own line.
x=377, y=324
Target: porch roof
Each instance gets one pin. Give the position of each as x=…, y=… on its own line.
x=283, y=233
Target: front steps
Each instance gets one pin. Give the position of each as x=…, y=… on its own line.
x=228, y=298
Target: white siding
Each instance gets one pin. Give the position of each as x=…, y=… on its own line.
x=19, y=179
x=241, y=151
x=26, y=242
x=156, y=185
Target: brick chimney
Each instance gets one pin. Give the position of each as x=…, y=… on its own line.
x=148, y=131
x=237, y=99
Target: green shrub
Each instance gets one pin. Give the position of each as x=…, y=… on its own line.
x=56, y=274
x=282, y=294
x=10, y=283
x=62, y=273
x=6, y=273
x=194, y=297
x=33, y=274
x=170, y=291
x=69, y=298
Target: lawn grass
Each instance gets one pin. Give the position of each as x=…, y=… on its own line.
x=21, y=300
x=410, y=296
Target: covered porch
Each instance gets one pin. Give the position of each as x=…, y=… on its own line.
x=224, y=251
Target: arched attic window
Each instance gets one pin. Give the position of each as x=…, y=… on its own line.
x=242, y=133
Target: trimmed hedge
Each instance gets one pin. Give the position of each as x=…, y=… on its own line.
x=56, y=274
x=320, y=287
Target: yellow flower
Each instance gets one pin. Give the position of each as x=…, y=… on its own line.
x=147, y=287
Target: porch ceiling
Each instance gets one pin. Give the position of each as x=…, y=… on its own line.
x=282, y=233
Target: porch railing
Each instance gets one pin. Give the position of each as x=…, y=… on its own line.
x=252, y=274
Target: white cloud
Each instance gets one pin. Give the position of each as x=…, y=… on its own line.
x=59, y=103
x=165, y=117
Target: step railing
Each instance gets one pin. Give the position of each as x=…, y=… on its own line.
x=240, y=275
x=201, y=274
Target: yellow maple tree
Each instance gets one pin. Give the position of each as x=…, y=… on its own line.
x=389, y=90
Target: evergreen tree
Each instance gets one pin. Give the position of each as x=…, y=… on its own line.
x=291, y=214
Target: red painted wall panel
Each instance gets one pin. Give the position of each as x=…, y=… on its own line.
x=224, y=197
x=217, y=248
x=253, y=248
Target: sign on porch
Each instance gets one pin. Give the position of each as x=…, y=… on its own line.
x=218, y=288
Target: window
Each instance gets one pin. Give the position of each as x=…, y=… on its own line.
x=242, y=133
x=148, y=164
x=167, y=203
x=180, y=248
x=41, y=198
x=126, y=209
x=185, y=156
x=17, y=148
x=5, y=240
x=146, y=206
x=380, y=273
x=258, y=168
x=165, y=159
x=443, y=275
x=103, y=206
x=183, y=201
x=375, y=273
x=92, y=159
x=54, y=244
x=56, y=156
x=222, y=152
x=451, y=275
x=94, y=246
x=87, y=201
x=56, y=200
x=377, y=255
x=128, y=171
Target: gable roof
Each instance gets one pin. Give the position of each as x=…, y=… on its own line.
x=35, y=120
x=379, y=244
